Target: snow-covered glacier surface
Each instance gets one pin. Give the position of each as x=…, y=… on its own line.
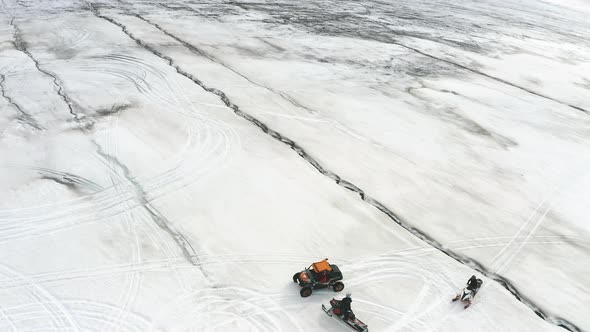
x=168, y=165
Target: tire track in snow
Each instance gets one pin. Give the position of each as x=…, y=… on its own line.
x=460, y=258
x=494, y=78
x=97, y=312
x=207, y=146
x=389, y=40
x=20, y=45
x=211, y=58
x=25, y=118
x=549, y=201
x=16, y=224
x=55, y=309
x=165, y=182
x=157, y=217
x=4, y=317
x=475, y=243
x=384, y=267
x=133, y=70
x=107, y=271
x=158, y=265
x=89, y=313
x=154, y=234
x=133, y=279
x=67, y=36
x=207, y=152
x=208, y=307
x=506, y=239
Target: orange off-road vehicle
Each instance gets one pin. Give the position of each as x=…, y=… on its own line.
x=319, y=275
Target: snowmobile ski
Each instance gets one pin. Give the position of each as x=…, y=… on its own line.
x=466, y=296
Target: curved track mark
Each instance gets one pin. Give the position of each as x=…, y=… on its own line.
x=348, y=185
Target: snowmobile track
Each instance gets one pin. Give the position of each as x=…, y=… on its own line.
x=24, y=117
x=259, y=311
x=558, y=321
x=20, y=45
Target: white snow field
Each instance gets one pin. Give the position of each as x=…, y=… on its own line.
x=169, y=165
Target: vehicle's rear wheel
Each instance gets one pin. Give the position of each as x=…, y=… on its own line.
x=305, y=291
x=338, y=286
x=296, y=277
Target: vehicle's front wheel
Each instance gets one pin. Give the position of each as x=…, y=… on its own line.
x=338, y=286
x=296, y=277
x=305, y=291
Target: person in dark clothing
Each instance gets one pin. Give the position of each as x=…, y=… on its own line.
x=345, y=303
x=324, y=277
x=472, y=283
x=345, y=309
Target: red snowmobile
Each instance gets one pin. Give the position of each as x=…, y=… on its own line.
x=337, y=307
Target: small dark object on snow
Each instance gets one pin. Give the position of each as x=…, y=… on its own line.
x=473, y=283
x=319, y=275
x=468, y=293
x=341, y=309
x=344, y=308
